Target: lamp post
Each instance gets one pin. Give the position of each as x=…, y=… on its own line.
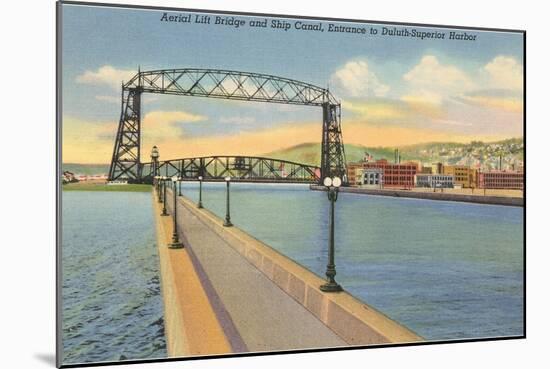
x=332, y=185
x=164, y=213
x=227, y=222
x=199, y=205
x=176, y=244
x=155, y=160
x=156, y=184
x=158, y=178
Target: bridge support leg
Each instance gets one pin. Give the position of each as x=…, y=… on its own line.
x=333, y=157
x=126, y=163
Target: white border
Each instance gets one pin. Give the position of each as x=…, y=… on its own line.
x=28, y=183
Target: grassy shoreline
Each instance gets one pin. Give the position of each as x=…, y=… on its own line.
x=105, y=187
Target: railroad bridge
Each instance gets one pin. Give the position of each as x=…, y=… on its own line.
x=126, y=161
x=239, y=168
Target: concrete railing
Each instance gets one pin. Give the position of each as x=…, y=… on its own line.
x=354, y=321
x=489, y=200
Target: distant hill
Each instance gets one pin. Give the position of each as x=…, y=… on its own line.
x=485, y=154
x=310, y=153
x=87, y=169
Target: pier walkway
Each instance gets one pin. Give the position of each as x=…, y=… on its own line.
x=255, y=299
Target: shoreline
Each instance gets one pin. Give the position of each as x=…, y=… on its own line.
x=98, y=186
x=477, y=199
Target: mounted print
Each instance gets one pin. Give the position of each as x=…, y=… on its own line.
x=233, y=184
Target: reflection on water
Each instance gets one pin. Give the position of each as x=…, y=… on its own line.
x=112, y=307
x=444, y=269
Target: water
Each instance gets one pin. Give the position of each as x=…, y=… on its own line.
x=446, y=270
x=112, y=307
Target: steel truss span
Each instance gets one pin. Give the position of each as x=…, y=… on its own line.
x=222, y=84
x=239, y=168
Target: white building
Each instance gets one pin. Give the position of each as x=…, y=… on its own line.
x=434, y=180
x=372, y=178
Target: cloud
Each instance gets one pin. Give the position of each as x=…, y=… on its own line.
x=431, y=82
x=106, y=75
x=146, y=99
x=504, y=72
x=109, y=99
x=392, y=112
x=452, y=122
x=356, y=79
x=87, y=141
x=238, y=120
x=502, y=82
x=510, y=104
x=425, y=107
x=377, y=110
x=160, y=125
x=170, y=117
x=430, y=73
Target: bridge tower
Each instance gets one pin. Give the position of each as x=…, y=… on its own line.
x=333, y=157
x=126, y=160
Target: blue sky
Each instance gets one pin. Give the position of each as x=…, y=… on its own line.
x=438, y=88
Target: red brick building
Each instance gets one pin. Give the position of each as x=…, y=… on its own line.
x=393, y=175
x=501, y=180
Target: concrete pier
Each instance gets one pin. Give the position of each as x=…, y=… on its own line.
x=190, y=323
x=477, y=199
x=255, y=297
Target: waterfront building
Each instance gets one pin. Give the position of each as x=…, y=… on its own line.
x=372, y=178
x=434, y=180
x=393, y=175
x=501, y=180
x=68, y=177
x=437, y=168
x=426, y=170
x=355, y=175
x=464, y=176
